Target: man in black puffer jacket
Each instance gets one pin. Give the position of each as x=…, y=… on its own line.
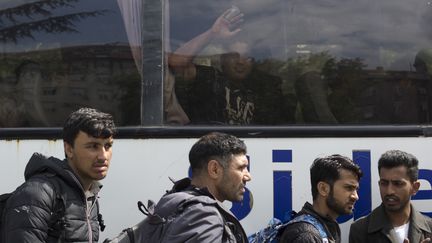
x=58, y=201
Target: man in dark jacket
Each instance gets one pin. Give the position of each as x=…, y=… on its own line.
x=334, y=182
x=219, y=172
x=58, y=201
x=395, y=220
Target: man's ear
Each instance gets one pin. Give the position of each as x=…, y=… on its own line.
x=415, y=187
x=68, y=150
x=214, y=169
x=323, y=188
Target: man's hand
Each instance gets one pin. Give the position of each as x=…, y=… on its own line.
x=225, y=25
x=423, y=241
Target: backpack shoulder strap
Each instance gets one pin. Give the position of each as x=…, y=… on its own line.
x=230, y=223
x=3, y=200
x=271, y=233
x=307, y=218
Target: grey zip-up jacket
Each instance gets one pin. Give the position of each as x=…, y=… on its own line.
x=38, y=212
x=200, y=222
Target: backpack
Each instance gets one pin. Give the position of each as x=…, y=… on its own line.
x=153, y=227
x=274, y=230
x=57, y=223
x=3, y=199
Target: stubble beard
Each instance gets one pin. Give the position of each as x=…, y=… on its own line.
x=335, y=206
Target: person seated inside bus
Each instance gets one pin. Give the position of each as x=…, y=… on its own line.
x=236, y=93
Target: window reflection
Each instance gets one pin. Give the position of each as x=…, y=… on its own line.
x=338, y=62
x=57, y=56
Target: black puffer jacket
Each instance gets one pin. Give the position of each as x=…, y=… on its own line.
x=38, y=213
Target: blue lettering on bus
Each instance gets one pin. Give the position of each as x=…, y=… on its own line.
x=282, y=186
x=424, y=194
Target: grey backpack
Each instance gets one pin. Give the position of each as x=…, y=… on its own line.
x=154, y=227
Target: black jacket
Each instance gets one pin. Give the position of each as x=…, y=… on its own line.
x=37, y=212
x=302, y=232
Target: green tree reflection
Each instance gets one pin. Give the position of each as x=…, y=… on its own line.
x=24, y=20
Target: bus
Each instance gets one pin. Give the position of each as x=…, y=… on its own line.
x=295, y=80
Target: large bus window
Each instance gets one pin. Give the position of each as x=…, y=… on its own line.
x=298, y=62
x=57, y=56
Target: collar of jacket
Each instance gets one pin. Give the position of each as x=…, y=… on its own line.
x=380, y=222
x=185, y=185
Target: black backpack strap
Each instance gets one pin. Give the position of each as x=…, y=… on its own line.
x=3, y=200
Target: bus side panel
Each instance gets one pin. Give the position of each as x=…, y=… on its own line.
x=140, y=169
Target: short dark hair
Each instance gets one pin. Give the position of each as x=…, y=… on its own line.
x=396, y=158
x=91, y=121
x=215, y=145
x=327, y=169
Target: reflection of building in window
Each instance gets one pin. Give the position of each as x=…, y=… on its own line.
x=11, y=111
x=396, y=97
x=95, y=76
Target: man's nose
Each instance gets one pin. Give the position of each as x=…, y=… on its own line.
x=102, y=154
x=247, y=176
x=355, y=195
x=390, y=189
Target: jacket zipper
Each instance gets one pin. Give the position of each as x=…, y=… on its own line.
x=88, y=212
x=89, y=223
x=90, y=232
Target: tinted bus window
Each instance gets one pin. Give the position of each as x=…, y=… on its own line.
x=57, y=56
x=299, y=62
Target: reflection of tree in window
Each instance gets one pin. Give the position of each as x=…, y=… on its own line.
x=23, y=20
x=353, y=94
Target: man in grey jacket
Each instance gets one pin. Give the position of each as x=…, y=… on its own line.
x=59, y=200
x=395, y=220
x=219, y=172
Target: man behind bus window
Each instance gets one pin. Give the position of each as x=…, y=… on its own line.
x=334, y=182
x=237, y=92
x=59, y=200
x=395, y=220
